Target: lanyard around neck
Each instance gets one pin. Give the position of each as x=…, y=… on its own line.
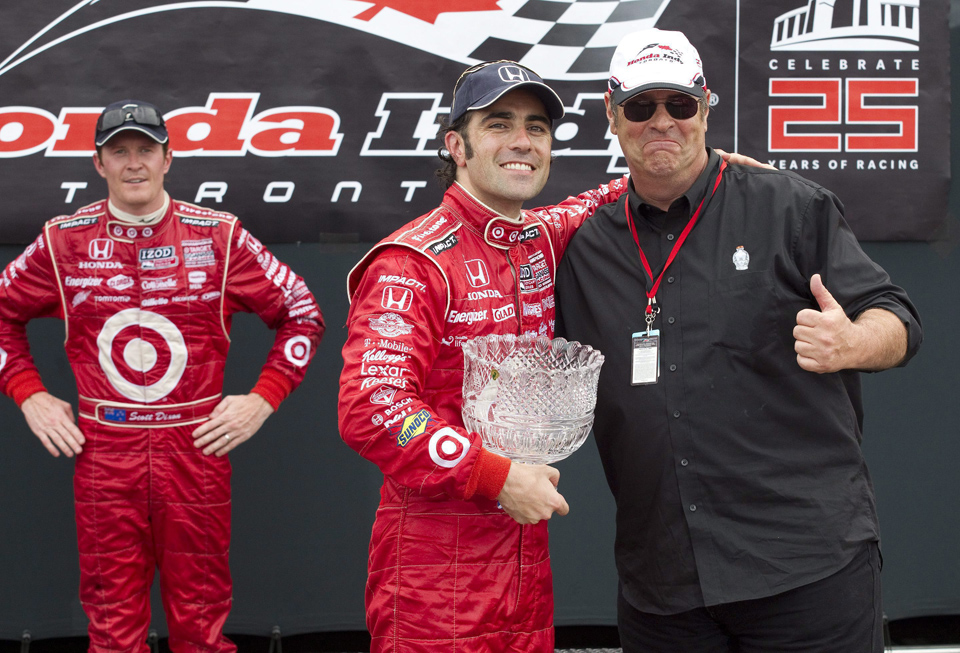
x=652, y=308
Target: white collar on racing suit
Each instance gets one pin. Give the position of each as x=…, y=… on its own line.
x=141, y=220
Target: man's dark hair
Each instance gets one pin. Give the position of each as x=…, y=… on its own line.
x=447, y=173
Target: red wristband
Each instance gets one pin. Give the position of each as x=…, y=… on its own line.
x=489, y=474
x=24, y=384
x=273, y=386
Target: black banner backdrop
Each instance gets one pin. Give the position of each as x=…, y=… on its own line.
x=317, y=120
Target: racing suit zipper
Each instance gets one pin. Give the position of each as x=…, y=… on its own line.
x=516, y=291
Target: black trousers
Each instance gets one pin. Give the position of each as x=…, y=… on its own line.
x=839, y=614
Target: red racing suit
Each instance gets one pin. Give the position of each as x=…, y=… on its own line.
x=147, y=312
x=448, y=569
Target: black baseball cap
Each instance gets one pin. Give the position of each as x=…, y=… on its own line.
x=483, y=84
x=131, y=115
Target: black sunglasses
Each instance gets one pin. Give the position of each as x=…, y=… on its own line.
x=139, y=114
x=680, y=107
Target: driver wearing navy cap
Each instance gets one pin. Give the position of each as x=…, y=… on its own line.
x=459, y=557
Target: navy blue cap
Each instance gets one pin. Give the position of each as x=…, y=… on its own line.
x=481, y=85
x=131, y=115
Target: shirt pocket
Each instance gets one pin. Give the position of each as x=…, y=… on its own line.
x=744, y=311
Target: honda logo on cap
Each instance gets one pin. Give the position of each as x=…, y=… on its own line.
x=477, y=273
x=100, y=249
x=395, y=298
x=513, y=74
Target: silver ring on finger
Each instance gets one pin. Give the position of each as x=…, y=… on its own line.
x=226, y=436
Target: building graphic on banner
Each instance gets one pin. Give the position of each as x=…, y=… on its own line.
x=849, y=25
x=848, y=105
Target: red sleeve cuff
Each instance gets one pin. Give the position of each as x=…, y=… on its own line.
x=22, y=385
x=273, y=386
x=489, y=474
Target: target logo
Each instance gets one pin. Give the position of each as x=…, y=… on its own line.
x=143, y=363
x=448, y=448
x=297, y=350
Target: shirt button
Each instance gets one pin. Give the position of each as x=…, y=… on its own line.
x=673, y=368
x=671, y=320
x=693, y=507
x=670, y=236
x=669, y=279
x=684, y=462
x=676, y=413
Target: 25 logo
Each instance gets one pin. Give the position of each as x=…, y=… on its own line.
x=861, y=109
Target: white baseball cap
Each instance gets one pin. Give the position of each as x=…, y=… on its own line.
x=655, y=59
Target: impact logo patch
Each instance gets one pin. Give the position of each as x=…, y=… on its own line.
x=79, y=222
x=445, y=244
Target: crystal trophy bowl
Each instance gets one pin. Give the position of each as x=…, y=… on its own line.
x=529, y=397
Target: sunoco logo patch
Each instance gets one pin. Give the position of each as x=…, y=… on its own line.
x=413, y=426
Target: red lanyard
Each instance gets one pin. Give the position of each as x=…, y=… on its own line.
x=652, y=308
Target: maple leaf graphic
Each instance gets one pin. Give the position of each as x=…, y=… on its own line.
x=427, y=10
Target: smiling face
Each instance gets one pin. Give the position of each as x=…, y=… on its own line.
x=134, y=166
x=509, y=146
x=663, y=147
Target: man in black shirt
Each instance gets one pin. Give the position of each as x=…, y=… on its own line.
x=735, y=310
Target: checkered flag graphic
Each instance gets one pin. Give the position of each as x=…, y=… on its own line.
x=568, y=39
x=560, y=39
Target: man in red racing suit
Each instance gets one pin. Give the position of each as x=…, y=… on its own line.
x=449, y=570
x=147, y=306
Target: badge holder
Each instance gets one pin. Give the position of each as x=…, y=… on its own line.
x=646, y=350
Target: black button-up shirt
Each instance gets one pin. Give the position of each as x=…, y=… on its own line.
x=738, y=475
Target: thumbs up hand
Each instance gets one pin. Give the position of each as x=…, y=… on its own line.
x=826, y=340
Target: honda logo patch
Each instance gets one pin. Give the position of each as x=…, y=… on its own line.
x=100, y=249
x=395, y=298
x=477, y=273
